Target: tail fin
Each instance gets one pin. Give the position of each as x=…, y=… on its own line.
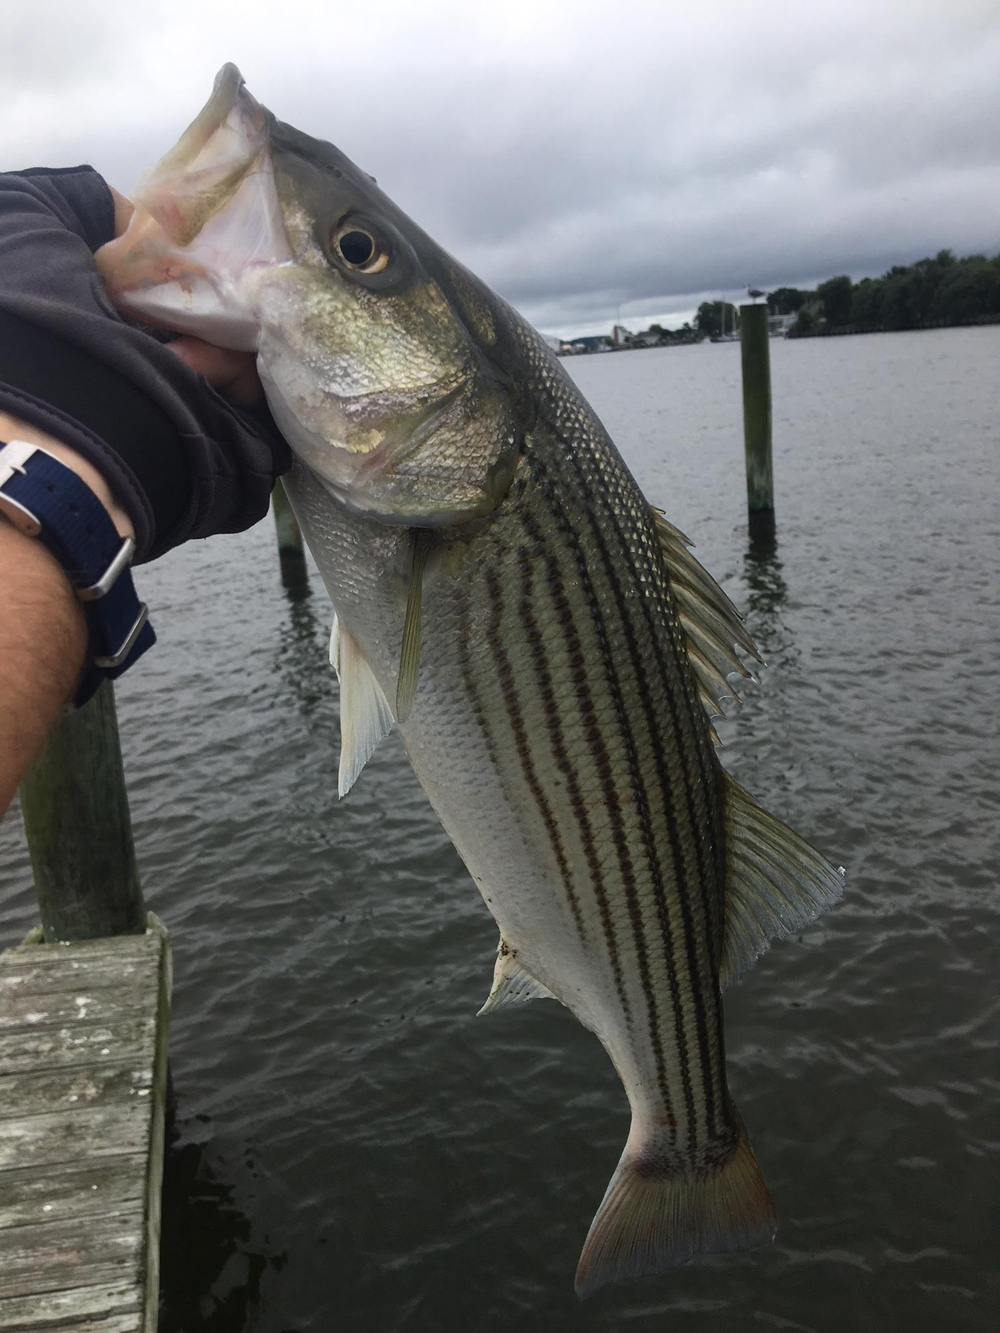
x=651, y=1219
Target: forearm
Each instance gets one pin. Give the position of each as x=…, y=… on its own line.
x=43, y=631
x=43, y=644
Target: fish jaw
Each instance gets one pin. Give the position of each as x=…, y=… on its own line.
x=207, y=222
x=377, y=467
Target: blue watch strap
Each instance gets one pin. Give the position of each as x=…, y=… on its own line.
x=47, y=500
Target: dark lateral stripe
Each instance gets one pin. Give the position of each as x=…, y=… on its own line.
x=636, y=787
x=601, y=758
x=707, y=873
x=509, y=692
x=482, y=716
x=556, y=735
x=702, y=985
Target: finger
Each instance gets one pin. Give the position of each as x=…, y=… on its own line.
x=124, y=208
x=232, y=373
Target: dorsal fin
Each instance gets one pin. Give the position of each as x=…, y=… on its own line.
x=365, y=715
x=712, y=625
x=775, y=882
x=512, y=982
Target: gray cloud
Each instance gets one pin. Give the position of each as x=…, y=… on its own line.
x=580, y=157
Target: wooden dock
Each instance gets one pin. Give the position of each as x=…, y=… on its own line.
x=83, y=1075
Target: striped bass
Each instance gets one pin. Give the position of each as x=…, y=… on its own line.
x=542, y=637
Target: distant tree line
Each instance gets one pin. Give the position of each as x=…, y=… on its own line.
x=942, y=290
x=685, y=334
x=931, y=292
x=708, y=320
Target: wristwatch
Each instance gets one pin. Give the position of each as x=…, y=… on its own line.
x=44, y=498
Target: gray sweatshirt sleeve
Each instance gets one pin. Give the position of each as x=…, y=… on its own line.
x=183, y=461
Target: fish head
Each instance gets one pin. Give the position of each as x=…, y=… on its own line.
x=378, y=352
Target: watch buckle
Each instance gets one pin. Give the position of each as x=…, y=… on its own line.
x=13, y=457
x=116, y=659
x=110, y=576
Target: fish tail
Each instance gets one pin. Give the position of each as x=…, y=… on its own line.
x=654, y=1217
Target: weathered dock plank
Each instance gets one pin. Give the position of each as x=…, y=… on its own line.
x=47, y=1048
x=83, y=1067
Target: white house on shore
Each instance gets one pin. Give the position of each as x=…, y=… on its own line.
x=778, y=325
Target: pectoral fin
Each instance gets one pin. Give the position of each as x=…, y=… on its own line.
x=512, y=982
x=365, y=715
x=775, y=883
x=409, y=657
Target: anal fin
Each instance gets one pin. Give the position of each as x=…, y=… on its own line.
x=776, y=883
x=512, y=982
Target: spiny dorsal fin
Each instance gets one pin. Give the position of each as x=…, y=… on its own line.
x=365, y=715
x=775, y=883
x=512, y=982
x=409, y=657
x=713, y=626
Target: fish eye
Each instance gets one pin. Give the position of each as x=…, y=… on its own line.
x=359, y=249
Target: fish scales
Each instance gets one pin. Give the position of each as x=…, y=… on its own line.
x=621, y=687
x=579, y=736
x=598, y=470
x=507, y=597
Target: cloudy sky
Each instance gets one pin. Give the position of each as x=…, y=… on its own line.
x=584, y=158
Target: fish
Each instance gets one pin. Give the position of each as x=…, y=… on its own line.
x=549, y=649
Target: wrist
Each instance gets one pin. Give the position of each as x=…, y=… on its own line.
x=13, y=428
x=49, y=502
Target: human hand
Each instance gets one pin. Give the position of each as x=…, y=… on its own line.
x=177, y=450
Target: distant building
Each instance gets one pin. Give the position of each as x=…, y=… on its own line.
x=778, y=325
x=649, y=338
x=555, y=343
x=591, y=344
x=620, y=336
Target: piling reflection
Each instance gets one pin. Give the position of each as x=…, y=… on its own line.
x=291, y=552
x=294, y=574
x=767, y=591
x=302, y=659
x=212, y=1267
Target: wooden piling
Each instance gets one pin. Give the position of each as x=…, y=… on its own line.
x=79, y=833
x=291, y=553
x=756, y=359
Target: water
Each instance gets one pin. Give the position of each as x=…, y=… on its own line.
x=354, y=1151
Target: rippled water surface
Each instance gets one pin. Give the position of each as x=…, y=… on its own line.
x=354, y=1150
